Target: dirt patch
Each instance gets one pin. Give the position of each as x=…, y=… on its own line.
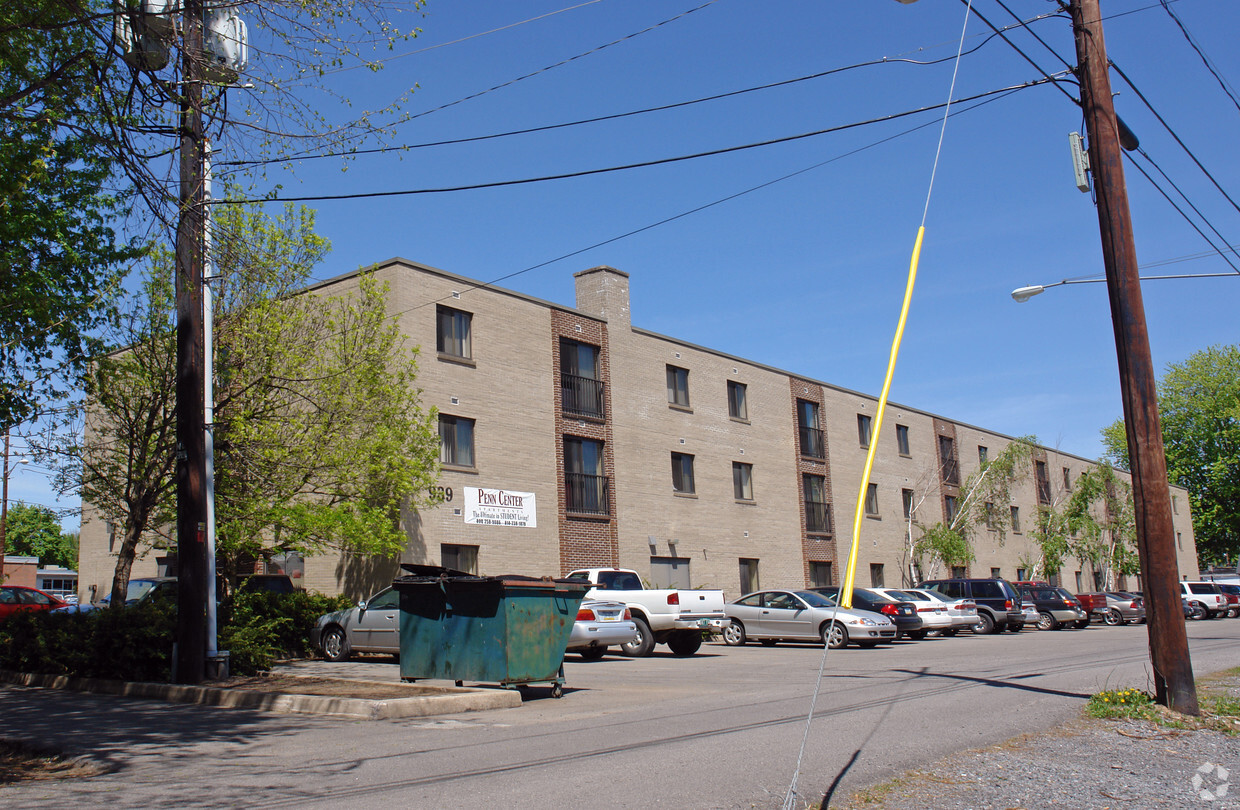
x=23, y=763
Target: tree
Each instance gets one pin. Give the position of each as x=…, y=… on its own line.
x=1199, y=404
x=1096, y=524
x=320, y=435
x=60, y=256
x=950, y=543
x=34, y=531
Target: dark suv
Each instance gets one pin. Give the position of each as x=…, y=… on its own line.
x=1056, y=607
x=998, y=603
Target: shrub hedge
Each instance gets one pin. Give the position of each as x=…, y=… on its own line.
x=136, y=643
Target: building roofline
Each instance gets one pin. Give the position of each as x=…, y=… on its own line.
x=475, y=284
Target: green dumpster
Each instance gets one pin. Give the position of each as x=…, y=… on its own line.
x=510, y=630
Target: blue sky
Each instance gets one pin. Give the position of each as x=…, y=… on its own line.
x=806, y=273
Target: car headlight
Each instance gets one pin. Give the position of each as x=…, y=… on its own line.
x=868, y=622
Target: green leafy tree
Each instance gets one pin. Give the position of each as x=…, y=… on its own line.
x=950, y=543
x=1199, y=405
x=61, y=257
x=1096, y=524
x=321, y=439
x=34, y=531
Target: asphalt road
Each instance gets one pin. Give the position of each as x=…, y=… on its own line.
x=720, y=730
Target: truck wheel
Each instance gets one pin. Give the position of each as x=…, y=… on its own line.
x=734, y=634
x=641, y=646
x=685, y=642
x=1113, y=617
x=592, y=653
x=985, y=624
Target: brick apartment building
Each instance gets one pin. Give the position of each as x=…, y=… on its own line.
x=572, y=438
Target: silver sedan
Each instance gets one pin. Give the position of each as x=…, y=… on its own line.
x=600, y=624
x=372, y=626
x=778, y=615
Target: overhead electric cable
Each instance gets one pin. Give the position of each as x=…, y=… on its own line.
x=1173, y=134
x=1180, y=211
x=639, y=165
x=561, y=63
x=1015, y=47
x=613, y=116
x=1231, y=94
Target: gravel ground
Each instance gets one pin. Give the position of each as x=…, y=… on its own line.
x=1085, y=765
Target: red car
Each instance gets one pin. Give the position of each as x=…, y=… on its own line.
x=15, y=597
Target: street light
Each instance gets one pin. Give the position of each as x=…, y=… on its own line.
x=1022, y=294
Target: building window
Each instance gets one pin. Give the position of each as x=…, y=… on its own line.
x=982, y=455
x=453, y=333
x=1179, y=541
x=809, y=428
x=581, y=390
x=682, y=474
x=678, y=386
x=456, y=441
x=906, y=498
x=749, y=575
x=871, y=500
x=742, y=481
x=876, y=575
x=1098, y=583
x=1079, y=583
x=459, y=558
x=585, y=486
x=959, y=572
x=994, y=573
x=949, y=509
x=1022, y=574
x=1175, y=505
x=1043, y=481
x=863, y=429
x=902, y=440
x=990, y=515
x=738, y=407
x=819, y=574
x=1067, y=479
x=1016, y=519
x=947, y=460
x=817, y=510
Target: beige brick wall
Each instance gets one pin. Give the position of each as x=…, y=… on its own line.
x=510, y=387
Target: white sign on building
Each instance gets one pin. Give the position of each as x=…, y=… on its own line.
x=499, y=507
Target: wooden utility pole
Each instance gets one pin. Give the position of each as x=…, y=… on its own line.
x=1173, y=671
x=190, y=663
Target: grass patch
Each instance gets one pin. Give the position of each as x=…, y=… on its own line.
x=1121, y=704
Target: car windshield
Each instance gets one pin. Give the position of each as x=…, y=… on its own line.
x=815, y=599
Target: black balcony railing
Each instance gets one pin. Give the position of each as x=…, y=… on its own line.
x=818, y=517
x=581, y=396
x=586, y=494
x=812, y=445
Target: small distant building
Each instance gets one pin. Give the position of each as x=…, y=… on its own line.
x=20, y=571
x=59, y=582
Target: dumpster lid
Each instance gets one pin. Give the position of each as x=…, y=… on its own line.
x=431, y=573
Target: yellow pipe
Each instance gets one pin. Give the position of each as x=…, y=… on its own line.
x=846, y=591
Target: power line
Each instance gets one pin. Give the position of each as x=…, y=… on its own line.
x=1205, y=59
x=1173, y=134
x=615, y=116
x=638, y=165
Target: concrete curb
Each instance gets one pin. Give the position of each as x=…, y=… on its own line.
x=450, y=701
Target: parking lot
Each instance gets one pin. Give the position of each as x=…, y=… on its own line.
x=720, y=729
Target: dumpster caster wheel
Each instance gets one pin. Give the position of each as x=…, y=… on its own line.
x=460, y=683
x=557, y=691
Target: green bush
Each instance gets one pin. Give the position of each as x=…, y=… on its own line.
x=135, y=643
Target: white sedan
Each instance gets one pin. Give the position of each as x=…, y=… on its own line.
x=962, y=611
x=934, y=614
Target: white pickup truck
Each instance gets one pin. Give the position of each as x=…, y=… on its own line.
x=672, y=617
